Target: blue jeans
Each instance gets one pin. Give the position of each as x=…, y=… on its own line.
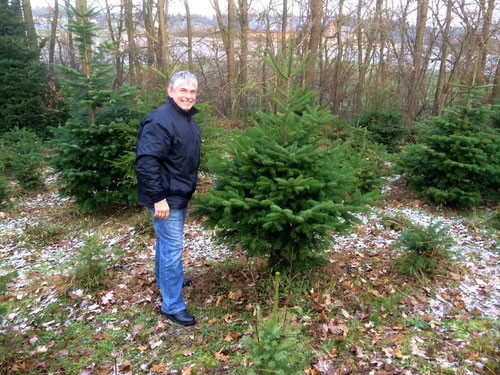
x=168, y=259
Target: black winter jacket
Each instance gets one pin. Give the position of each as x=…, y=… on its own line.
x=167, y=156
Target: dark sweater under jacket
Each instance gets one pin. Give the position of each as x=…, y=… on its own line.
x=167, y=156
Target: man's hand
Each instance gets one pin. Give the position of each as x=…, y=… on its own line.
x=162, y=210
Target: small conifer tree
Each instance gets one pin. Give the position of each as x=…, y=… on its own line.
x=91, y=141
x=280, y=190
x=456, y=160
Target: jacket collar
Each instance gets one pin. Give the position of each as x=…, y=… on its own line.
x=193, y=111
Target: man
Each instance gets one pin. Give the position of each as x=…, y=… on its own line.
x=168, y=155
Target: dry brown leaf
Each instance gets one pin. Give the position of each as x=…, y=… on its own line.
x=232, y=336
x=235, y=295
x=221, y=357
x=142, y=348
x=158, y=368
x=187, y=353
x=212, y=321
x=186, y=370
x=374, y=292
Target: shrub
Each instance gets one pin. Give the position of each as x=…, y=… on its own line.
x=457, y=158
x=89, y=264
x=424, y=248
x=275, y=343
x=22, y=157
x=279, y=190
x=384, y=126
x=367, y=159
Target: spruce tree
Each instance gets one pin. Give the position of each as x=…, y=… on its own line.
x=456, y=160
x=279, y=189
x=91, y=142
x=21, y=101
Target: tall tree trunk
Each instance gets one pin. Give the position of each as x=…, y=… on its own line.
x=189, y=36
x=439, y=96
x=231, y=63
x=415, y=87
x=162, y=49
x=379, y=29
x=338, y=60
x=147, y=10
x=116, y=39
x=402, y=50
x=485, y=36
x=134, y=67
x=30, y=25
x=316, y=7
x=495, y=93
x=284, y=22
x=53, y=30
x=243, y=76
x=360, y=87
x=71, y=46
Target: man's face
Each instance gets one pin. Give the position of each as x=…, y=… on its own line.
x=184, y=95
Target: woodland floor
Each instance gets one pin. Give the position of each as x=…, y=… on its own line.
x=358, y=315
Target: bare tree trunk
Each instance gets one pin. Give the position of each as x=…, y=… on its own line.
x=162, y=50
x=116, y=39
x=495, y=93
x=190, y=36
x=147, y=10
x=439, y=96
x=71, y=46
x=338, y=60
x=134, y=66
x=485, y=36
x=53, y=30
x=284, y=22
x=30, y=25
x=231, y=63
x=316, y=7
x=379, y=27
x=402, y=50
x=243, y=76
x=362, y=62
x=418, y=72
x=222, y=26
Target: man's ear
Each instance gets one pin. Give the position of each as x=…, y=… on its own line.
x=170, y=91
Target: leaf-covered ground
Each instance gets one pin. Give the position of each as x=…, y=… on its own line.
x=358, y=315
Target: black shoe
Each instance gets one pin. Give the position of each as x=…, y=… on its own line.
x=183, y=317
x=186, y=281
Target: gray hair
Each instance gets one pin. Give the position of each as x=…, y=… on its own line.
x=181, y=76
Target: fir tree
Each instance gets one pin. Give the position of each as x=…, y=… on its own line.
x=280, y=190
x=90, y=142
x=456, y=160
x=21, y=102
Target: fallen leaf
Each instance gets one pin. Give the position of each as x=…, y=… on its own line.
x=235, y=295
x=42, y=349
x=212, y=321
x=221, y=357
x=187, y=353
x=374, y=292
x=232, y=336
x=142, y=348
x=186, y=370
x=158, y=368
